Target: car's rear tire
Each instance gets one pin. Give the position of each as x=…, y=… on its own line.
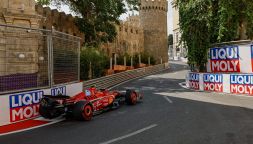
x=83, y=111
x=47, y=110
x=131, y=97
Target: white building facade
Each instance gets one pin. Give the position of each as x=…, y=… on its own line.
x=179, y=51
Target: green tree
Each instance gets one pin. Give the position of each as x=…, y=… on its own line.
x=99, y=62
x=97, y=18
x=206, y=22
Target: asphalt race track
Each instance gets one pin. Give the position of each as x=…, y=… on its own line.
x=170, y=114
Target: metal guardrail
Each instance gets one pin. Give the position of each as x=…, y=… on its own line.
x=109, y=81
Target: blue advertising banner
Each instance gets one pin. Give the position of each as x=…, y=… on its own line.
x=225, y=59
x=213, y=82
x=241, y=84
x=24, y=105
x=194, y=80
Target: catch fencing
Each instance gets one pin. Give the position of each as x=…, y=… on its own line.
x=37, y=58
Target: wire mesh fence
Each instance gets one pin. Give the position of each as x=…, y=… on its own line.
x=35, y=58
x=65, y=58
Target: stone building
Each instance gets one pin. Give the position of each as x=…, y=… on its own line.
x=148, y=31
x=21, y=13
x=24, y=48
x=17, y=12
x=153, y=15
x=130, y=38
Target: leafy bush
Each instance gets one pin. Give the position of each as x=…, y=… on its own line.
x=145, y=56
x=144, y=59
x=99, y=62
x=120, y=59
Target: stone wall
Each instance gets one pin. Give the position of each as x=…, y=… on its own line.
x=59, y=21
x=130, y=38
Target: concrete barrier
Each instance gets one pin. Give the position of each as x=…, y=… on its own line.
x=233, y=58
x=229, y=67
x=111, y=80
x=21, y=106
x=219, y=82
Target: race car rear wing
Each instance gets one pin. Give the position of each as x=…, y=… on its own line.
x=57, y=97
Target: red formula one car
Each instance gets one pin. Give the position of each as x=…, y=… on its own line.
x=86, y=104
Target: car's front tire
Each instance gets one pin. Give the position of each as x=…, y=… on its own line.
x=131, y=97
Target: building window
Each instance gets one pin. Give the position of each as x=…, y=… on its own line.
x=131, y=30
x=136, y=31
x=177, y=38
x=125, y=29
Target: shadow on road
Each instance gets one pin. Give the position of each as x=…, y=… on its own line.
x=194, y=122
x=157, y=84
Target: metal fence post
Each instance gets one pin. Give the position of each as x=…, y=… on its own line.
x=125, y=61
x=131, y=61
x=139, y=59
x=110, y=63
x=50, y=59
x=90, y=71
x=148, y=61
x=79, y=60
x=115, y=59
